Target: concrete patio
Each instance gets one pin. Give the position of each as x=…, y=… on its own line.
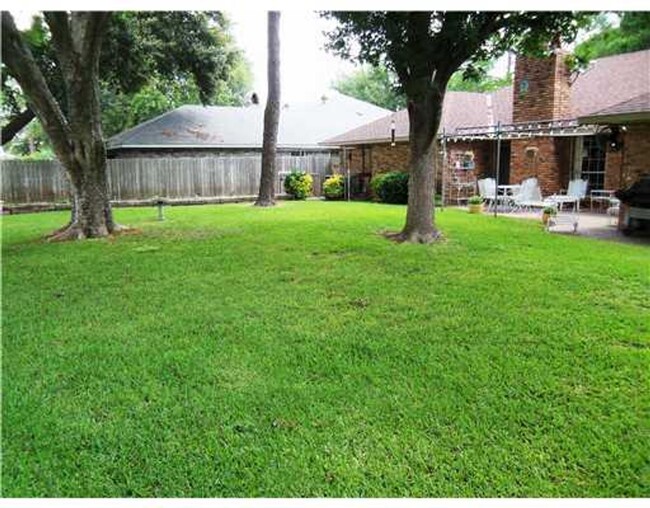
x=595, y=225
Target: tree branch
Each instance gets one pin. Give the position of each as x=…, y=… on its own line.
x=96, y=24
x=59, y=25
x=16, y=124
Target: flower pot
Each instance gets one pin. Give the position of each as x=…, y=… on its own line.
x=545, y=218
x=475, y=208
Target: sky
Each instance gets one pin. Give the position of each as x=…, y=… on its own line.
x=306, y=69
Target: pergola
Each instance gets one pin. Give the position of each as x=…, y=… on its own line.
x=518, y=130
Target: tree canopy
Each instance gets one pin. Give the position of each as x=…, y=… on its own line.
x=150, y=62
x=380, y=86
x=479, y=79
x=374, y=84
x=632, y=34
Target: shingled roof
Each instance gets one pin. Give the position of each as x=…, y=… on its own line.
x=636, y=109
x=612, y=82
x=460, y=109
x=302, y=125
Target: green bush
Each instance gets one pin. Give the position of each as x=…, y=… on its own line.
x=298, y=184
x=334, y=187
x=391, y=187
x=475, y=200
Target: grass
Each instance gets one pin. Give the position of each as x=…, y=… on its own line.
x=233, y=351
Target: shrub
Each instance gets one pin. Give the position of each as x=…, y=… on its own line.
x=550, y=210
x=391, y=187
x=298, y=184
x=475, y=200
x=333, y=187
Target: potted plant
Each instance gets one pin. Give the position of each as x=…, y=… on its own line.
x=475, y=204
x=547, y=213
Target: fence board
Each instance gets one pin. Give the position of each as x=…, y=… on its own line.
x=232, y=176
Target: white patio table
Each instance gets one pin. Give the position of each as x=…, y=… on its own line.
x=508, y=190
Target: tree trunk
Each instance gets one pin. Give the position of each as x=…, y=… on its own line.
x=266, y=195
x=77, y=139
x=424, y=119
x=91, y=215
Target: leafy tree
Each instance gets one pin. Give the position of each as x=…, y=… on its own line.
x=379, y=86
x=266, y=196
x=60, y=82
x=76, y=135
x=375, y=84
x=424, y=49
x=632, y=34
x=150, y=62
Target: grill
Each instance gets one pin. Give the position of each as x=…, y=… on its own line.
x=635, y=201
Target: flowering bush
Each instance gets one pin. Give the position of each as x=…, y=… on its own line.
x=333, y=187
x=298, y=184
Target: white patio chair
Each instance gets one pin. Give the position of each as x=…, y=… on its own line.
x=529, y=196
x=483, y=192
x=577, y=190
x=487, y=190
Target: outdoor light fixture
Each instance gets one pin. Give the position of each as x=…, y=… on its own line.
x=392, y=133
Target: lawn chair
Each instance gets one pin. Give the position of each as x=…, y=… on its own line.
x=529, y=196
x=577, y=190
x=487, y=190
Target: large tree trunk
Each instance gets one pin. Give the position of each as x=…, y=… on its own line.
x=424, y=119
x=77, y=139
x=91, y=215
x=266, y=195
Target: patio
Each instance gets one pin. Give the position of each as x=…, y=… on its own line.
x=595, y=225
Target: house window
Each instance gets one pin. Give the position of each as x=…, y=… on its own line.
x=593, y=162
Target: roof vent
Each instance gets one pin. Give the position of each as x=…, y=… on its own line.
x=324, y=98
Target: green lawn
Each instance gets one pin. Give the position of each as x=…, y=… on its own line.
x=234, y=351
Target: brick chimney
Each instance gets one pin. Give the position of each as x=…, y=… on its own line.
x=541, y=88
x=541, y=92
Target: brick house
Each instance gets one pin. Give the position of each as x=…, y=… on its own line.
x=553, y=125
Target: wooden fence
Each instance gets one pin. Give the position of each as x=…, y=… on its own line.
x=235, y=176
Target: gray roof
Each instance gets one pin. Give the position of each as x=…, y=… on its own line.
x=302, y=125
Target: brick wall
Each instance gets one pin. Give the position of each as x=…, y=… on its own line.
x=636, y=153
x=547, y=159
x=548, y=95
x=379, y=158
x=613, y=169
x=383, y=157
